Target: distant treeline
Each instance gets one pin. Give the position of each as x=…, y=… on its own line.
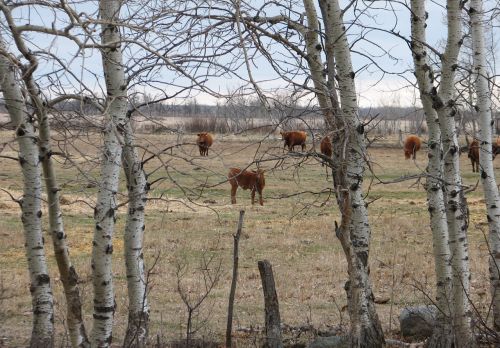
x=384, y=120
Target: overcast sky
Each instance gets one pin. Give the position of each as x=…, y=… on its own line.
x=375, y=87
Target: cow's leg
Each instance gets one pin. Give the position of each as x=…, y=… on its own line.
x=253, y=196
x=303, y=147
x=233, y=193
x=201, y=150
x=261, y=201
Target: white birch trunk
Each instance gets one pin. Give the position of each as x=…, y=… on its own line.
x=315, y=63
x=138, y=311
x=41, y=293
x=67, y=272
x=456, y=206
x=355, y=231
x=104, y=215
x=442, y=335
x=487, y=173
x=68, y=275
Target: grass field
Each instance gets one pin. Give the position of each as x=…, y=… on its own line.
x=191, y=216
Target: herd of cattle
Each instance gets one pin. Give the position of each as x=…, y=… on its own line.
x=254, y=179
x=413, y=143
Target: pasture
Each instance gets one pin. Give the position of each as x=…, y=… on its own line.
x=190, y=217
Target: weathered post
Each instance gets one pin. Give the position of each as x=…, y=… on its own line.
x=272, y=310
x=232, y=292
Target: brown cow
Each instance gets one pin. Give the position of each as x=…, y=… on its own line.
x=326, y=147
x=294, y=138
x=246, y=179
x=496, y=148
x=204, y=142
x=474, y=155
x=411, y=146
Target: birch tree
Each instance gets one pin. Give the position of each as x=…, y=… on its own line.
x=137, y=186
x=105, y=210
x=434, y=184
x=341, y=115
x=483, y=108
x=31, y=207
x=68, y=274
x=349, y=158
x=456, y=329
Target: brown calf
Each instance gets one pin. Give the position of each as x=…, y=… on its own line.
x=204, y=142
x=496, y=148
x=411, y=146
x=326, y=147
x=294, y=138
x=474, y=155
x=246, y=179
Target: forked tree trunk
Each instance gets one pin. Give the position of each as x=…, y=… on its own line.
x=137, y=186
x=67, y=272
x=442, y=335
x=105, y=210
x=41, y=293
x=490, y=187
x=316, y=65
x=443, y=103
x=355, y=232
x=456, y=205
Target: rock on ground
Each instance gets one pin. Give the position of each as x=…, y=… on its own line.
x=417, y=321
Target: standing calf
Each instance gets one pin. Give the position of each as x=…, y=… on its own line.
x=246, y=179
x=204, y=141
x=294, y=138
x=474, y=155
x=411, y=146
x=326, y=147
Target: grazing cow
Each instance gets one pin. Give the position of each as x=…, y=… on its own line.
x=246, y=179
x=204, y=142
x=294, y=138
x=474, y=155
x=326, y=147
x=411, y=146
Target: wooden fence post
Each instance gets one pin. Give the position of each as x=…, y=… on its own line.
x=232, y=292
x=273, y=321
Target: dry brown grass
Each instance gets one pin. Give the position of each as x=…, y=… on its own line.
x=294, y=233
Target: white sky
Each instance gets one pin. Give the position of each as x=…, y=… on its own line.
x=374, y=88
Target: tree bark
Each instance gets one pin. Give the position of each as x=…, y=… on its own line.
x=67, y=272
x=349, y=150
x=31, y=207
x=316, y=65
x=456, y=205
x=442, y=335
x=488, y=180
x=455, y=331
x=272, y=316
x=137, y=186
x=105, y=210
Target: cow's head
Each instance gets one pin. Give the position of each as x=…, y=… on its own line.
x=261, y=180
